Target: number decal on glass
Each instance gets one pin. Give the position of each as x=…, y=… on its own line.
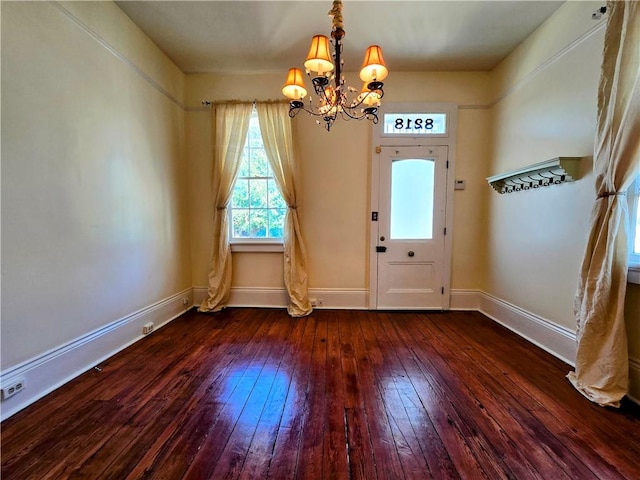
x=415, y=123
x=428, y=124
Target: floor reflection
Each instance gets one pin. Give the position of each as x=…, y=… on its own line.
x=256, y=392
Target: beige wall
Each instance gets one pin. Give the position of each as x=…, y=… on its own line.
x=632, y=319
x=546, y=95
x=335, y=171
x=546, y=109
x=94, y=206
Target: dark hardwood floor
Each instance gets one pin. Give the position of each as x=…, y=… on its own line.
x=253, y=393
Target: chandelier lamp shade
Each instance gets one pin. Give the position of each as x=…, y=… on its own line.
x=324, y=68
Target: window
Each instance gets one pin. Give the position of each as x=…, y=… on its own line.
x=257, y=209
x=634, y=231
x=412, y=190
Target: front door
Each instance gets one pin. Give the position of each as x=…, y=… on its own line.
x=411, y=227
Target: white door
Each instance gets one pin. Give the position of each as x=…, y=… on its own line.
x=411, y=228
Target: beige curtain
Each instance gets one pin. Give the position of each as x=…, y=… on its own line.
x=230, y=126
x=602, y=363
x=275, y=126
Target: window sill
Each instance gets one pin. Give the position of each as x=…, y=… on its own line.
x=257, y=246
x=634, y=274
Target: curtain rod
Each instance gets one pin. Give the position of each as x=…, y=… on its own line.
x=209, y=103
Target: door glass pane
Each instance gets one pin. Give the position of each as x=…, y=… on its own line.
x=412, y=199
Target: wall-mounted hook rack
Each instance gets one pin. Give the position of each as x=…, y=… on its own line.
x=552, y=172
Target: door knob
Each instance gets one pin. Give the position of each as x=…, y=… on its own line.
x=411, y=254
x=382, y=239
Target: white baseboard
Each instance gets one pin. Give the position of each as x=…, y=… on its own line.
x=199, y=294
x=558, y=341
x=337, y=298
x=248, y=297
x=341, y=298
x=332, y=298
x=465, y=300
x=54, y=368
x=257, y=297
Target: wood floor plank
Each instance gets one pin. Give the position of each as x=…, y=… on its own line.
x=511, y=413
x=236, y=451
x=472, y=455
x=334, y=464
x=310, y=453
x=436, y=358
x=295, y=411
x=256, y=394
x=541, y=377
x=384, y=447
x=393, y=380
x=361, y=458
x=113, y=378
x=110, y=448
x=247, y=366
x=258, y=459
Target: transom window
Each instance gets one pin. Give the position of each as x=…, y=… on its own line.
x=257, y=208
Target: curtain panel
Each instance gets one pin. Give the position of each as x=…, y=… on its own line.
x=275, y=126
x=602, y=363
x=230, y=125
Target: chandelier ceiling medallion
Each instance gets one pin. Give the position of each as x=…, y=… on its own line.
x=329, y=83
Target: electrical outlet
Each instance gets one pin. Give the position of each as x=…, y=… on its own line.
x=320, y=302
x=185, y=301
x=147, y=328
x=314, y=302
x=11, y=388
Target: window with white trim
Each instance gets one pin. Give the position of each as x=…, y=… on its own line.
x=633, y=196
x=257, y=208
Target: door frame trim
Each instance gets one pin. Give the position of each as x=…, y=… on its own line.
x=378, y=140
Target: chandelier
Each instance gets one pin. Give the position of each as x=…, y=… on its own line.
x=329, y=83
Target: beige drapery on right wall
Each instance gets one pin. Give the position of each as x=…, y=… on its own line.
x=602, y=362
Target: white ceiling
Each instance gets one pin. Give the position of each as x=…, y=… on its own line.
x=271, y=36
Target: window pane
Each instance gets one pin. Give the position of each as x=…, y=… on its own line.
x=412, y=192
x=244, y=164
x=258, y=164
x=240, y=223
x=276, y=222
x=275, y=199
x=253, y=136
x=258, y=223
x=240, y=198
x=257, y=193
x=636, y=243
